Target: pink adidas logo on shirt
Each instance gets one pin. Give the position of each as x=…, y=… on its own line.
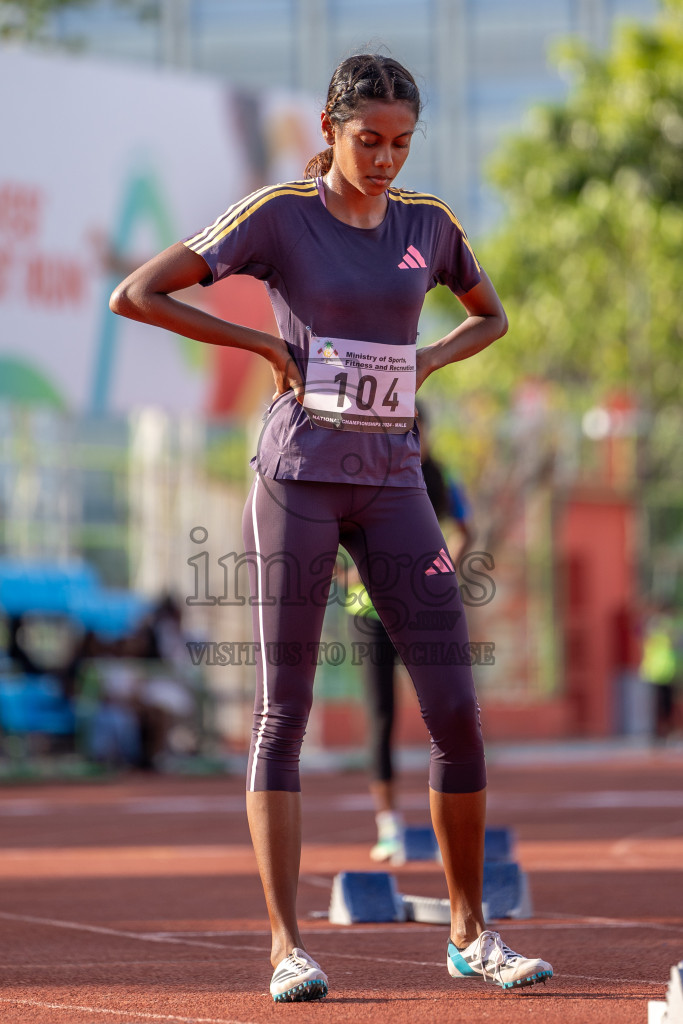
x=441, y=564
x=412, y=260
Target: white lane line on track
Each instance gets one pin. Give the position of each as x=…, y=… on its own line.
x=346, y=802
x=336, y=955
x=624, y=846
x=612, y=981
x=234, y=933
x=121, y=1013
x=574, y=921
x=605, y=799
x=178, y=938
x=318, y=880
x=98, y=929
x=418, y=927
x=88, y=964
x=200, y=963
x=188, y=938
x=361, y=929
x=160, y=937
x=551, y=926
x=441, y=963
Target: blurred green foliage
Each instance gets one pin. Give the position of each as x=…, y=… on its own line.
x=226, y=455
x=587, y=259
x=25, y=19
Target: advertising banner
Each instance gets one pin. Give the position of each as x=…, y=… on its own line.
x=101, y=166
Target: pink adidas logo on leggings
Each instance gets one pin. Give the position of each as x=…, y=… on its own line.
x=441, y=564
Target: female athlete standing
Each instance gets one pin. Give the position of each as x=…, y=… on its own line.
x=347, y=259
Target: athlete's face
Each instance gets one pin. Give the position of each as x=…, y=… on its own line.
x=371, y=148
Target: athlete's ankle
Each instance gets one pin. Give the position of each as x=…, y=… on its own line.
x=283, y=947
x=464, y=937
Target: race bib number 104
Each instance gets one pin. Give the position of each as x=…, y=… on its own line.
x=360, y=385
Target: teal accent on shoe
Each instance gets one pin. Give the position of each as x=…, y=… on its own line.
x=307, y=991
x=531, y=979
x=460, y=963
x=466, y=971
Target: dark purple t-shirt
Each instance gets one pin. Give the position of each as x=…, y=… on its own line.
x=327, y=279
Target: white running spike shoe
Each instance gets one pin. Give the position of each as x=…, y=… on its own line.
x=489, y=958
x=390, y=830
x=385, y=849
x=298, y=979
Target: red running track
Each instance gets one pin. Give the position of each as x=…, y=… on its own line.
x=137, y=901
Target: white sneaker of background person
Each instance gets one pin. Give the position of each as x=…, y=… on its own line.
x=390, y=834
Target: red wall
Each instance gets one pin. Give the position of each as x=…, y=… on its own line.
x=595, y=542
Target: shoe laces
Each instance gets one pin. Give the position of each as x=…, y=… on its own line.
x=299, y=964
x=493, y=954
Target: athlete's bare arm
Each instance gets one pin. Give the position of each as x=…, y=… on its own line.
x=147, y=295
x=486, y=321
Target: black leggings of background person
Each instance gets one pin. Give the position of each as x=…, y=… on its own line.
x=664, y=710
x=15, y=649
x=377, y=670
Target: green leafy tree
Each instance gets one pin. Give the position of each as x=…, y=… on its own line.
x=587, y=258
x=26, y=19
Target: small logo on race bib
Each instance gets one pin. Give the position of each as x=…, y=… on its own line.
x=412, y=260
x=328, y=351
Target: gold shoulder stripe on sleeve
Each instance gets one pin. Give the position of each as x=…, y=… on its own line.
x=223, y=217
x=400, y=195
x=236, y=214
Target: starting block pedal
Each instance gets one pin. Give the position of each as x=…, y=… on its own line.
x=506, y=894
x=360, y=897
x=670, y=1011
x=427, y=910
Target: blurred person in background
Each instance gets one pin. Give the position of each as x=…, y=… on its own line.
x=134, y=693
x=662, y=663
x=378, y=667
x=347, y=258
x=114, y=735
x=165, y=701
x=17, y=650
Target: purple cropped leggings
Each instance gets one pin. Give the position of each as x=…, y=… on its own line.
x=292, y=530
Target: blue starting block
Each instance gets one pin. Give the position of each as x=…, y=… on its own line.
x=499, y=844
x=371, y=896
x=502, y=888
x=418, y=843
x=364, y=897
x=506, y=886
x=506, y=894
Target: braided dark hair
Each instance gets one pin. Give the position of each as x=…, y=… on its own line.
x=365, y=76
